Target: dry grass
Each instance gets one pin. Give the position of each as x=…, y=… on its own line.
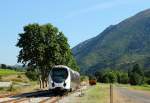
x=16, y=79
x=94, y=94
x=31, y=88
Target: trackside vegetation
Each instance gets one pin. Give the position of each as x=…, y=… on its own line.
x=134, y=76
x=94, y=94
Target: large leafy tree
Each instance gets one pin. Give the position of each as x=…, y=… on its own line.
x=43, y=46
x=136, y=75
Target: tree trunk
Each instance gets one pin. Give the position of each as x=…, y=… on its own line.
x=40, y=82
x=43, y=83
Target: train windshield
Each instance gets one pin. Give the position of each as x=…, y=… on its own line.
x=59, y=75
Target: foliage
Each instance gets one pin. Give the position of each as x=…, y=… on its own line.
x=99, y=75
x=32, y=74
x=106, y=76
x=3, y=66
x=124, y=79
x=111, y=76
x=136, y=75
x=147, y=80
x=42, y=47
x=92, y=77
x=83, y=78
x=147, y=73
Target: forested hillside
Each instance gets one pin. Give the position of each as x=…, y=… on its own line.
x=118, y=46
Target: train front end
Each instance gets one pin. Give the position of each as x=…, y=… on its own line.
x=59, y=78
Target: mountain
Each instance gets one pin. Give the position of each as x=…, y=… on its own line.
x=118, y=46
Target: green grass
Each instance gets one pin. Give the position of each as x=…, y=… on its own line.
x=142, y=87
x=8, y=72
x=95, y=94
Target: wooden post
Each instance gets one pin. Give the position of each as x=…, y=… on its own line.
x=111, y=93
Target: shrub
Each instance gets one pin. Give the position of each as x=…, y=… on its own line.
x=32, y=74
x=135, y=79
x=124, y=79
x=109, y=77
x=147, y=80
x=136, y=75
x=83, y=78
x=19, y=76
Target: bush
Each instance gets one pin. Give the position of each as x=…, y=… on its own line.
x=136, y=75
x=147, y=74
x=109, y=77
x=92, y=77
x=105, y=79
x=135, y=79
x=32, y=74
x=19, y=76
x=124, y=79
x=147, y=80
x=99, y=75
x=83, y=78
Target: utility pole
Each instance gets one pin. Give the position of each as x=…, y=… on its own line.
x=111, y=93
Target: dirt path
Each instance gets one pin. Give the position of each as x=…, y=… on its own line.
x=125, y=95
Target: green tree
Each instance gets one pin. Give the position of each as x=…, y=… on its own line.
x=3, y=66
x=66, y=57
x=105, y=79
x=136, y=75
x=109, y=77
x=124, y=79
x=32, y=74
x=99, y=76
x=42, y=47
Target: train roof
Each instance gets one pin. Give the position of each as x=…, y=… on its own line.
x=63, y=66
x=60, y=66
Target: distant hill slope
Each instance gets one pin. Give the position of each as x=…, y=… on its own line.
x=118, y=46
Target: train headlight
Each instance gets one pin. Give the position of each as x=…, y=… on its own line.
x=64, y=84
x=53, y=84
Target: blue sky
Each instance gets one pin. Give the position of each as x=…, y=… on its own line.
x=78, y=19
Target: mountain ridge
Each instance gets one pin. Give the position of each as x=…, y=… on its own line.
x=125, y=42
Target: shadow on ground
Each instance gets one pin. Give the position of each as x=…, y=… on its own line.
x=37, y=94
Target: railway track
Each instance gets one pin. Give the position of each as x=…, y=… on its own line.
x=33, y=100
x=17, y=100
x=35, y=97
x=7, y=95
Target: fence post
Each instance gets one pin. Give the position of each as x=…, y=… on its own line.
x=111, y=93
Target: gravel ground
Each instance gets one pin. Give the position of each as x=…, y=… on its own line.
x=31, y=97
x=5, y=84
x=72, y=97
